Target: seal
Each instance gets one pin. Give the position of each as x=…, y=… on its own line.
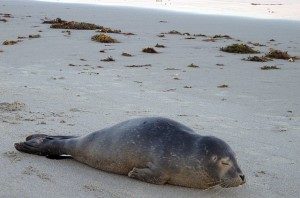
x=154, y=149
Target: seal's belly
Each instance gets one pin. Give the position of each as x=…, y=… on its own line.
x=117, y=157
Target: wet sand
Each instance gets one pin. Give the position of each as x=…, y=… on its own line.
x=266, y=9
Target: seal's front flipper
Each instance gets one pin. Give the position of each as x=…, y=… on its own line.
x=59, y=157
x=150, y=174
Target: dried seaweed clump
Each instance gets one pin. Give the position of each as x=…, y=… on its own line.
x=160, y=46
x=126, y=54
x=200, y=35
x=223, y=86
x=3, y=20
x=219, y=36
x=149, y=50
x=277, y=54
x=6, y=15
x=58, y=23
x=239, y=48
x=103, y=38
x=257, y=58
x=193, y=65
x=108, y=59
x=189, y=38
x=34, y=36
x=175, y=32
x=145, y=65
x=14, y=106
x=10, y=42
x=256, y=44
x=109, y=30
x=269, y=67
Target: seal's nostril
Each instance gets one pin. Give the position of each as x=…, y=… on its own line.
x=242, y=177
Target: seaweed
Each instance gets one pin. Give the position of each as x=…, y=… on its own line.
x=126, y=54
x=239, y=48
x=34, y=36
x=190, y=38
x=160, y=46
x=174, y=32
x=277, y=54
x=193, y=65
x=7, y=15
x=58, y=23
x=167, y=90
x=108, y=59
x=256, y=44
x=266, y=67
x=10, y=42
x=220, y=36
x=128, y=33
x=257, y=58
x=223, y=86
x=149, y=50
x=200, y=35
x=103, y=38
x=171, y=68
x=132, y=66
x=109, y=30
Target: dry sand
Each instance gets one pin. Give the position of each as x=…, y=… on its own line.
x=258, y=114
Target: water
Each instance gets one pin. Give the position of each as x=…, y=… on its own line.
x=282, y=9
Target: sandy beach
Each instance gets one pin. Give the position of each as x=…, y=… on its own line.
x=57, y=84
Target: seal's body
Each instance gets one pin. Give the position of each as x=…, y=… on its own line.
x=155, y=150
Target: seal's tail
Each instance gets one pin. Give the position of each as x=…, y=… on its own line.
x=41, y=144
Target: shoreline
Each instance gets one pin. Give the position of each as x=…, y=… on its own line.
x=248, y=10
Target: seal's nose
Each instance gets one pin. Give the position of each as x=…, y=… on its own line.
x=243, y=178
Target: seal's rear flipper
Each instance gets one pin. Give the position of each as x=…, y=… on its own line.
x=44, y=135
x=41, y=144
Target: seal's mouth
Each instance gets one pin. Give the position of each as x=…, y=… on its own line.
x=235, y=182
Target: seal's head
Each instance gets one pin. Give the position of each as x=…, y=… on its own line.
x=221, y=163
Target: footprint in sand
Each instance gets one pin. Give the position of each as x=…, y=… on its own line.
x=96, y=188
x=12, y=156
x=29, y=170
